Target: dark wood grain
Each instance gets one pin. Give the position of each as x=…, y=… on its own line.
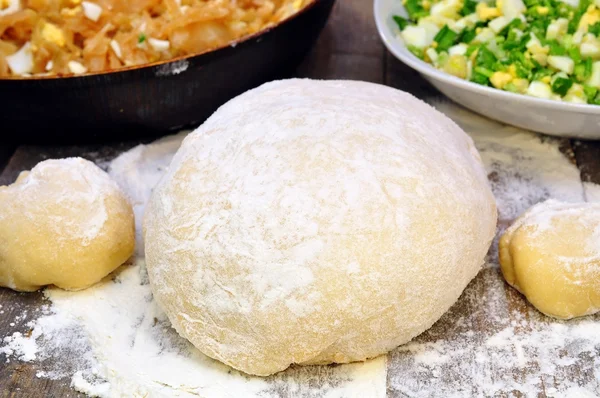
x=25, y=157
x=587, y=154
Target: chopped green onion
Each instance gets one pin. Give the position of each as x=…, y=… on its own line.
x=418, y=52
x=468, y=7
x=401, y=22
x=415, y=10
x=472, y=48
x=588, y=68
x=594, y=29
x=579, y=72
x=445, y=38
x=480, y=79
x=466, y=36
x=141, y=38
x=484, y=71
x=506, y=56
x=516, y=23
x=556, y=48
x=581, y=9
x=561, y=85
x=575, y=54
x=590, y=92
x=563, y=10
x=485, y=57
x=511, y=87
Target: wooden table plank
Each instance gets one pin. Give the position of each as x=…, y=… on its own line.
x=351, y=29
x=587, y=154
x=25, y=157
x=400, y=76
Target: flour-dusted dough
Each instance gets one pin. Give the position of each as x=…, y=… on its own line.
x=64, y=223
x=313, y=222
x=551, y=254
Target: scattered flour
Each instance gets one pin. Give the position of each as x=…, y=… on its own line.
x=492, y=342
x=592, y=192
x=113, y=341
x=173, y=68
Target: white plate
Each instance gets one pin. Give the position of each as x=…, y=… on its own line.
x=544, y=116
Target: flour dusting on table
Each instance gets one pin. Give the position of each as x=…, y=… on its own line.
x=114, y=341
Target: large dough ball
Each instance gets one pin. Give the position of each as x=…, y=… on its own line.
x=64, y=223
x=551, y=254
x=313, y=222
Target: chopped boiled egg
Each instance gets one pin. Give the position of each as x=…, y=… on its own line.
x=456, y=66
x=9, y=6
x=539, y=89
x=458, y=49
x=467, y=22
x=497, y=24
x=594, y=79
x=561, y=63
x=92, y=11
x=447, y=8
x=591, y=16
x=76, y=68
x=576, y=95
x=557, y=28
x=542, y=10
x=116, y=48
x=590, y=47
x=430, y=28
x=512, y=8
x=159, y=45
x=500, y=79
x=538, y=52
x=484, y=36
x=70, y=12
x=416, y=36
x=21, y=62
x=521, y=85
x=485, y=12
x=53, y=34
x=572, y=3
x=439, y=21
x=432, y=54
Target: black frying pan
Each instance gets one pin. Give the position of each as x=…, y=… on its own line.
x=156, y=98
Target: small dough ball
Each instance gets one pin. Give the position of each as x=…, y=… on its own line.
x=312, y=222
x=64, y=223
x=551, y=254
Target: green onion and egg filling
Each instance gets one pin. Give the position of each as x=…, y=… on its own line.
x=544, y=48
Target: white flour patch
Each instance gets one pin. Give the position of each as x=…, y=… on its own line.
x=129, y=348
x=492, y=342
x=173, y=68
x=592, y=192
x=112, y=340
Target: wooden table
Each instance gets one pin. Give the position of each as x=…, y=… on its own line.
x=349, y=48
